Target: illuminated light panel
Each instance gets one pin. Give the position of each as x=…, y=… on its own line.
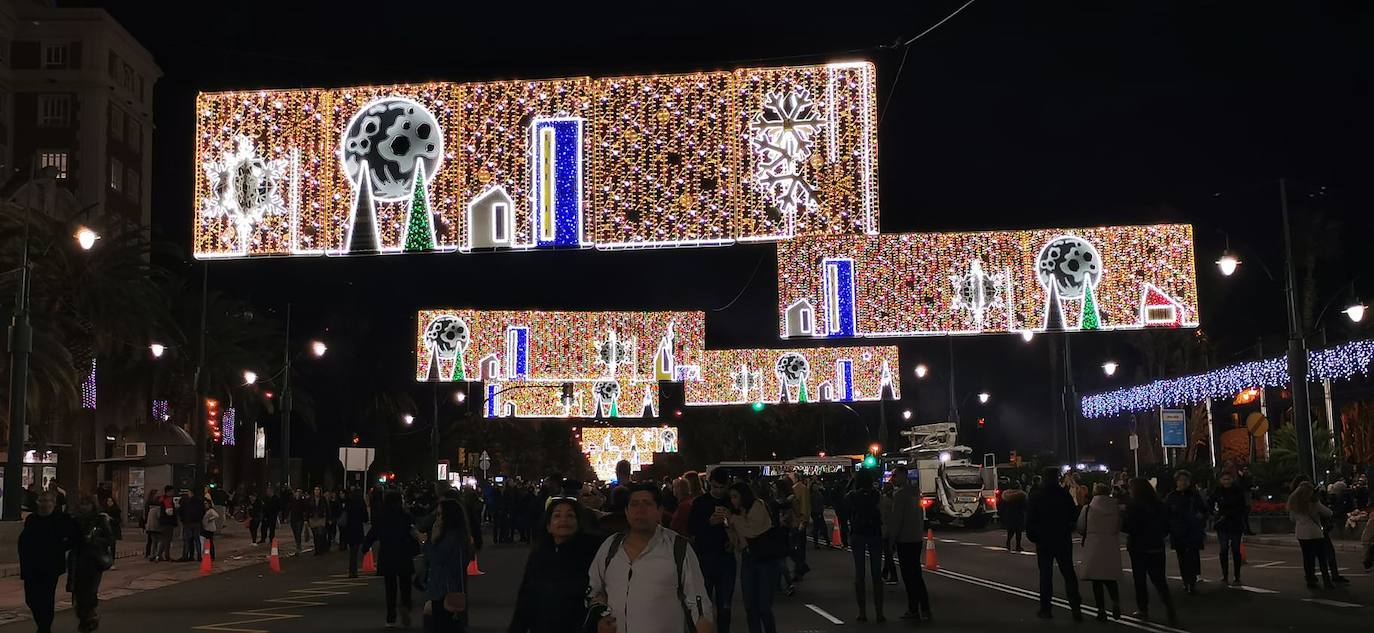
x=931, y=284
x=1333, y=363
x=558, y=346
x=746, y=376
x=160, y=411
x=88, y=389
x=607, y=446
x=660, y=161
x=591, y=398
x=226, y=426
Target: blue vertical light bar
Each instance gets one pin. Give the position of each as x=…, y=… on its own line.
x=844, y=371
x=557, y=181
x=837, y=278
x=517, y=352
x=491, y=401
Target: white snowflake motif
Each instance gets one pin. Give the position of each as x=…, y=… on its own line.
x=746, y=380
x=244, y=187
x=782, y=134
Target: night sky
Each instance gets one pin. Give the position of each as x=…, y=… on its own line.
x=1011, y=115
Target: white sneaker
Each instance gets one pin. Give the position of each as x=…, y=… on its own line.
x=390, y=625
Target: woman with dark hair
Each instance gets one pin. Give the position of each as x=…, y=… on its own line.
x=1307, y=514
x=446, y=557
x=553, y=591
x=394, y=528
x=351, y=521
x=1187, y=522
x=747, y=521
x=1145, y=523
x=866, y=538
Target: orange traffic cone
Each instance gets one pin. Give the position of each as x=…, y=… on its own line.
x=835, y=540
x=368, y=564
x=205, y=560
x=931, y=562
x=473, y=569
x=1242, y=551
x=274, y=558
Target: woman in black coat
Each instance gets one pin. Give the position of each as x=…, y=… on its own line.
x=394, y=528
x=1187, y=520
x=1145, y=523
x=552, y=596
x=352, y=518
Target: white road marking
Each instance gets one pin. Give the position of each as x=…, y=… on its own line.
x=825, y=614
x=1058, y=602
x=995, y=548
x=1255, y=589
x=1332, y=603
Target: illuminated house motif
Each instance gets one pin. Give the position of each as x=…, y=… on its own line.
x=607, y=446
x=491, y=220
x=925, y=284
x=708, y=158
x=744, y=376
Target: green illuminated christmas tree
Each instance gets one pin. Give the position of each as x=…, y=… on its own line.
x=1090, y=319
x=419, y=222
x=801, y=392
x=458, y=374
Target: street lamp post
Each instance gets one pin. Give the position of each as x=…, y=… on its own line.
x=286, y=405
x=21, y=345
x=1297, y=349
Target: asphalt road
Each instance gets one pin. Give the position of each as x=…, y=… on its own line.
x=979, y=587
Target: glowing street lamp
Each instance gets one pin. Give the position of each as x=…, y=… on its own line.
x=157, y=349
x=408, y=419
x=983, y=397
x=906, y=415
x=460, y=397
x=1027, y=335
x=1109, y=367
x=318, y=348
x=922, y=370
x=1228, y=262
x=1355, y=311
x=85, y=238
x=249, y=376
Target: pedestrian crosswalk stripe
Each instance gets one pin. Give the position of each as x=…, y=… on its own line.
x=825, y=614
x=1332, y=603
x=1256, y=589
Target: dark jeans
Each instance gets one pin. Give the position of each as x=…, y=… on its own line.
x=253, y=523
x=889, y=568
x=209, y=542
x=1229, y=543
x=718, y=574
x=151, y=545
x=396, y=579
x=267, y=530
x=353, y=558
x=1189, y=564
x=1112, y=590
x=296, y=532
x=1047, y=558
x=85, y=597
x=321, y=541
x=1016, y=532
x=819, y=531
x=759, y=578
x=909, y=555
x=1329, y=549
x=873, y=547
x=1149, y=565
x=799, y=552
x=1314, y=553
x=843, y=520
x=40, y=594
x=442, y=621
x=190, y=540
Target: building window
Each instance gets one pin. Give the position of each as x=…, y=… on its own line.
x=131, y=185
x=56, y=158
x=55, y=55
x=114, y=65
x=116, y=174
x=54, y=110
x=134, y=137
x=116, y=123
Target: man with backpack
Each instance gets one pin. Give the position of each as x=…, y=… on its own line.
x=648, y=576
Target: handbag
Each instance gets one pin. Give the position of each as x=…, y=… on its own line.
x=455, y=602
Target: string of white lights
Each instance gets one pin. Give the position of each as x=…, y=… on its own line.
x=1334, y=363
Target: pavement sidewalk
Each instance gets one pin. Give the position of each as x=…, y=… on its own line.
x=133, y=574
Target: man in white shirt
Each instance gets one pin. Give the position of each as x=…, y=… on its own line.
x=649, y=576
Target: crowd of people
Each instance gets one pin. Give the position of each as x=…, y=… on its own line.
x=618, y=557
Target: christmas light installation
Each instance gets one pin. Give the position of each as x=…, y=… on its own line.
x=1340, y=362
x=931, y=284
x=88, y=389
x=707, y=158
x=226, y=426
x=819, y=374
x=607, y=446
x=454, y=345
x=161, y=412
